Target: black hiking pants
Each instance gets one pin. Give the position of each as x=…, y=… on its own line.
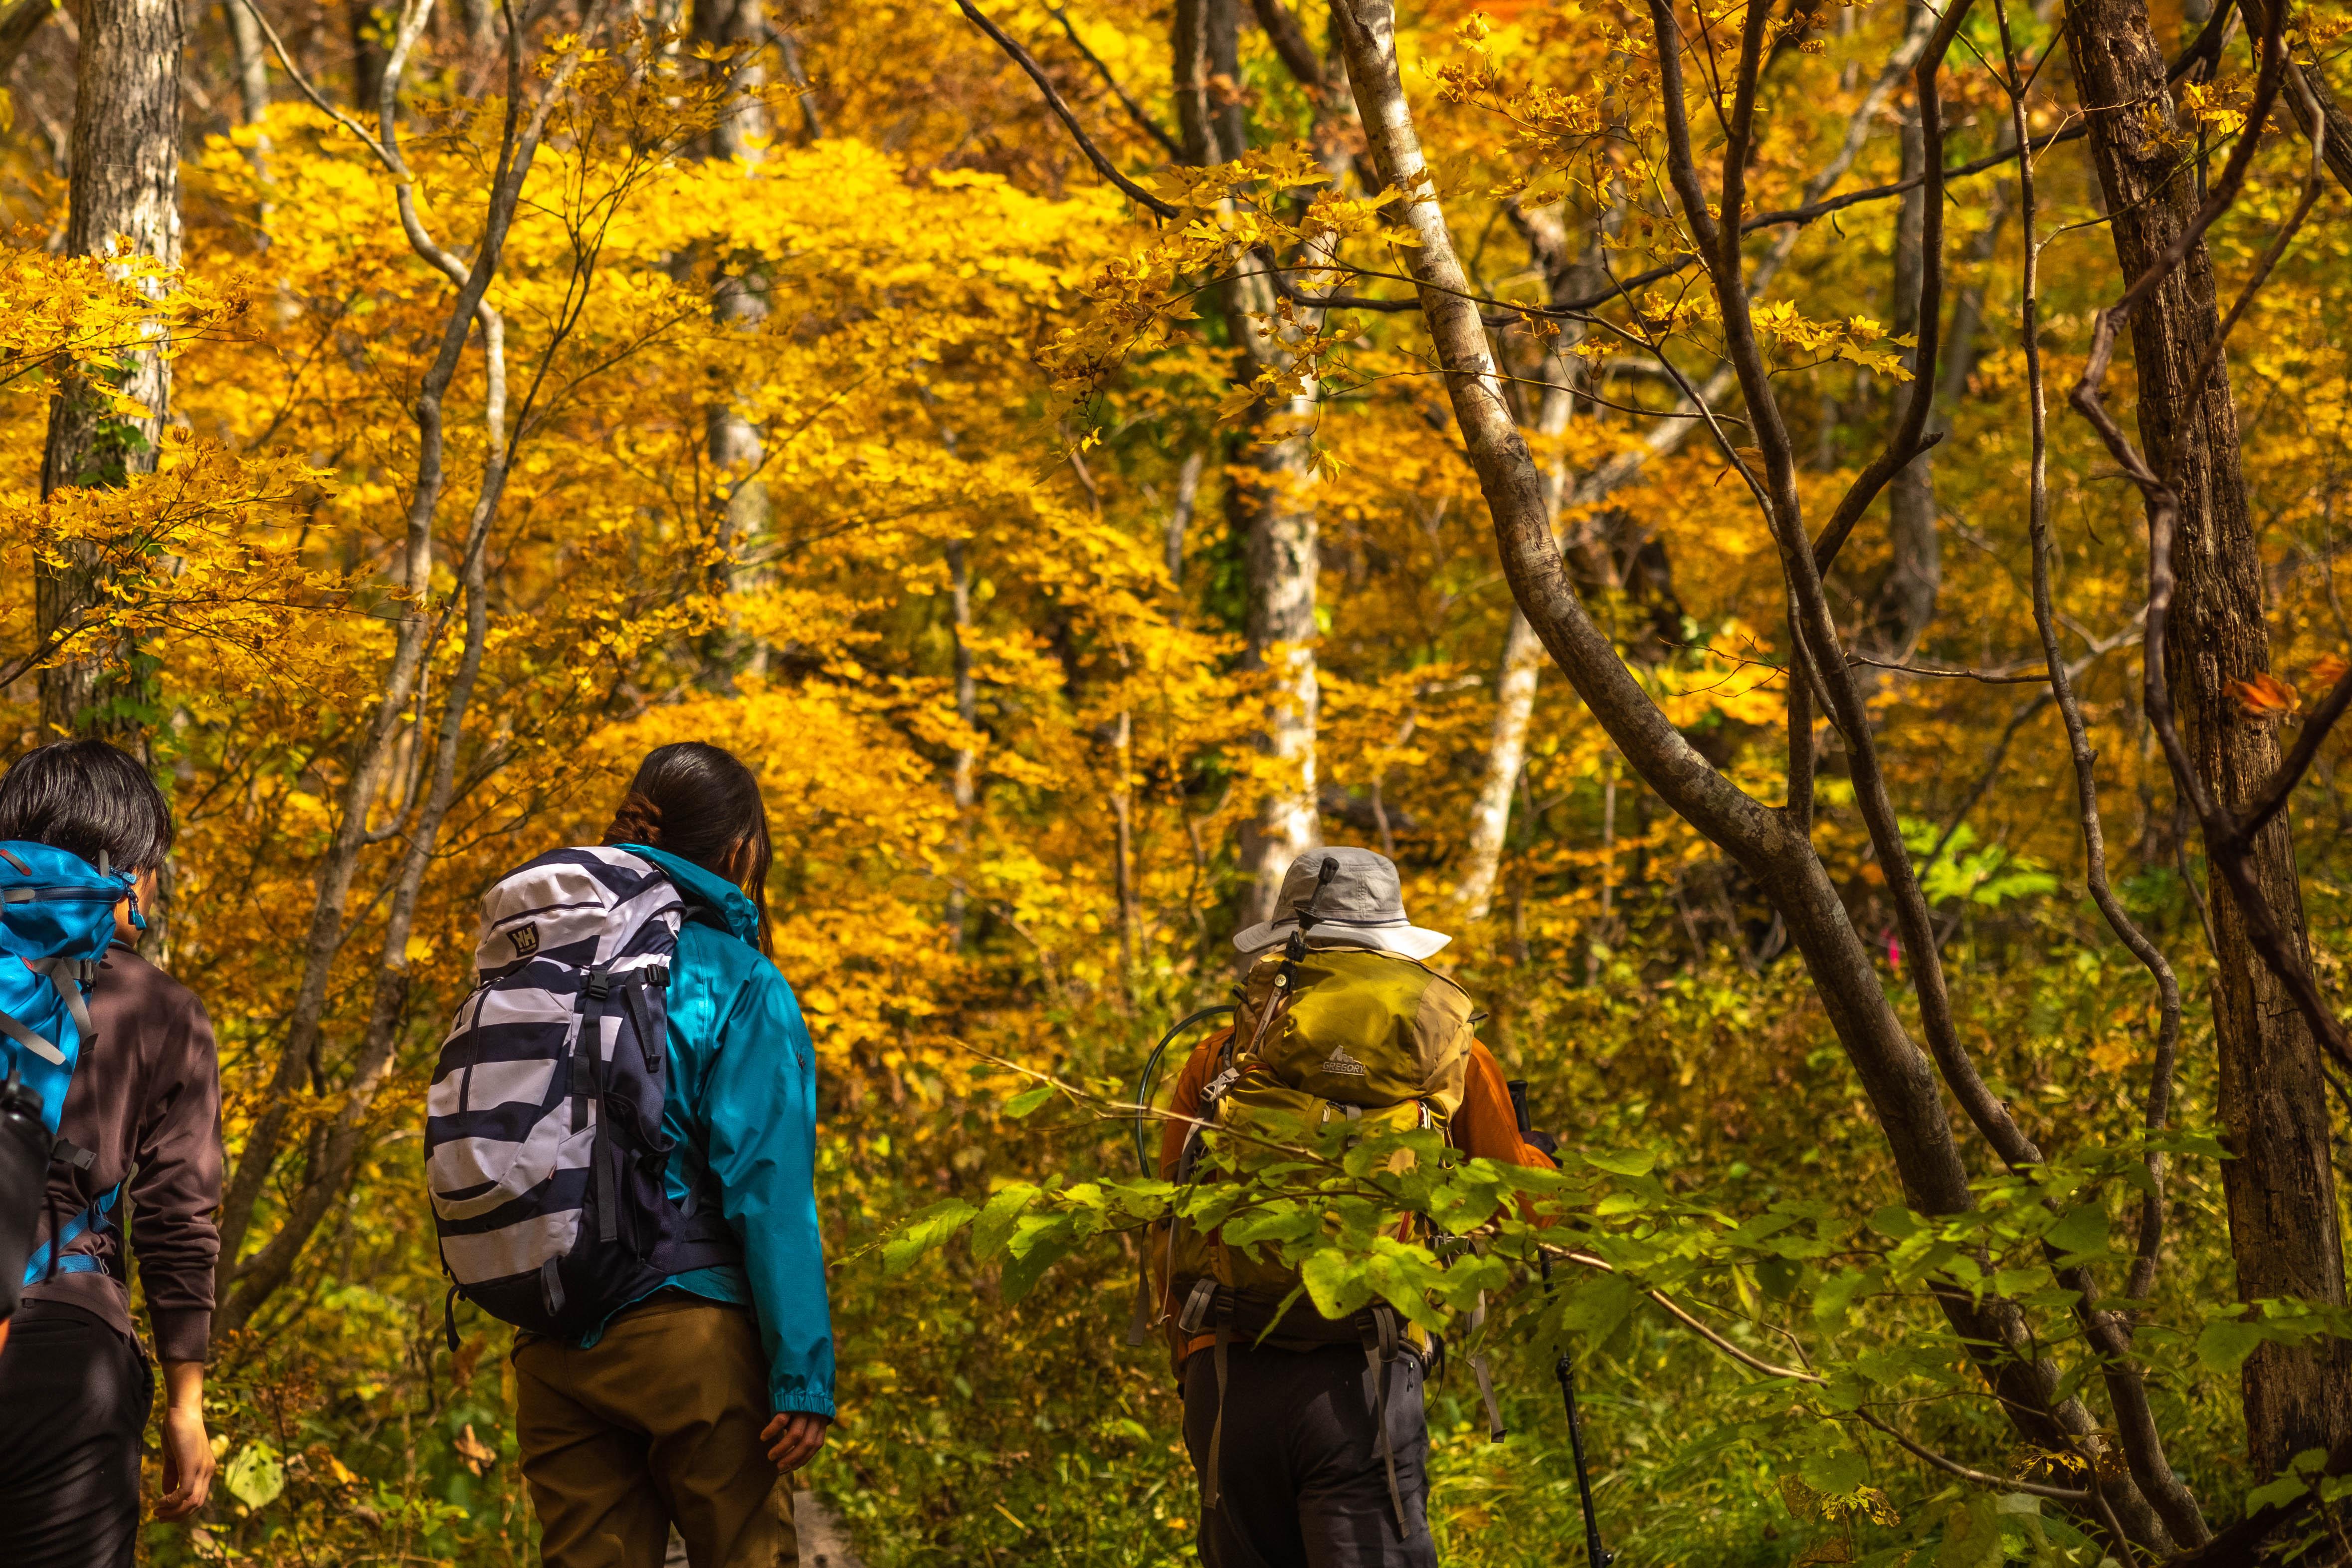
x=1301, y=1482
x=74, y=1397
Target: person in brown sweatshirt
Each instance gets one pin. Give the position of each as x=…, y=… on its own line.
x=76, y=1384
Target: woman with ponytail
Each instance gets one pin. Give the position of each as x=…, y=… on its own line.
x=684, y=1407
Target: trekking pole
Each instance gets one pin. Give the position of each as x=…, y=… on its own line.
x=1564, y=1369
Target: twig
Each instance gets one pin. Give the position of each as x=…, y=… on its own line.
x=1136, y=112
x=1027, y=62
x=1757, y=1364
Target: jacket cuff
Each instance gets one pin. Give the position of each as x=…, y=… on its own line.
x=803, y=1402
x=182, y=1333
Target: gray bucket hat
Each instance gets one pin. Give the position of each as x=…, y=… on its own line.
x=1363, y=905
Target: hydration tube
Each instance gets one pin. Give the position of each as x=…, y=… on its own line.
x=1150, y=1076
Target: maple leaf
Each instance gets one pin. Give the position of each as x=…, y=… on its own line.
x=2265, y=699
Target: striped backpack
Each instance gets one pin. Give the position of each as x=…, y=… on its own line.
x=544, y=1143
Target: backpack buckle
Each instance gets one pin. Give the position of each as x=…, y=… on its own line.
x=600, y=982
x=1194, y=1317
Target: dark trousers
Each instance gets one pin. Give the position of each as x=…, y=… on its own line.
x=74, y=1397
x=1301, y=1481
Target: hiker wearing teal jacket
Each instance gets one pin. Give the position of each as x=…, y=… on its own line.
x=683, y=1407
x=742, y=1087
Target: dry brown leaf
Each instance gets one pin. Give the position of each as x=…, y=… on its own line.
x=1828, y=1549
x=477, y=1455
x=2328, y=669
x=1799, y=1499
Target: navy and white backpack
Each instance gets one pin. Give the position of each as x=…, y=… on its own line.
x=543, y=1142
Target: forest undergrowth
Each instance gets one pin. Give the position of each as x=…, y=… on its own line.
x=984, y=1431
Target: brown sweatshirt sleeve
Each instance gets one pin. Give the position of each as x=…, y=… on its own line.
x=175, y=1195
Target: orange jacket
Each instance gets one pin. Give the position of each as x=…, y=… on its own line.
x=1485, y=1127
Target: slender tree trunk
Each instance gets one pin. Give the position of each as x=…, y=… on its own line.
x=1523, y=651
x=372, y=753
x=252, y=62
x=367, y=33
x=963, y=776
x=2273, y=1097
x=1270, y=498
x=1180, y=514
x=1906, y=595
x=252, y=59
x=738, y=499
x=124, y=188
x=1187, y=46
x=1507, y=752
x=1276, y=502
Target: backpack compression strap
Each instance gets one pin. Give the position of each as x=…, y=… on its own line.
x=65, y=974
x=50, y=1258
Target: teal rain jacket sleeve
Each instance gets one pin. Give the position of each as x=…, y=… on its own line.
x=743, y=1092
x=760, y=1108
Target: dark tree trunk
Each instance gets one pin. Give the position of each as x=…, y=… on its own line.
x=1914, y=571
x=369, y=27
x=125, y=184
x=2273, y=1099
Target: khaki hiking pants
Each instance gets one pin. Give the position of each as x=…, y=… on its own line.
x=658, y=1424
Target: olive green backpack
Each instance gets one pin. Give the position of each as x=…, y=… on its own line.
x=1371, y=1038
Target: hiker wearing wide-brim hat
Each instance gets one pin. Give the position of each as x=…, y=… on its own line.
x=1308, y=1435
x=1361, y=903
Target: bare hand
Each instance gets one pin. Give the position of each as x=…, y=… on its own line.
x=187, y=1462
x=796, y=1435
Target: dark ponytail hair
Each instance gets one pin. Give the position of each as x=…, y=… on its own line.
x=699, y=802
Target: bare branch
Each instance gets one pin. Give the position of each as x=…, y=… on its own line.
x=1027, y=62
x=1136, y=112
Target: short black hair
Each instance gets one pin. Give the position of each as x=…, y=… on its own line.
x=87, y=797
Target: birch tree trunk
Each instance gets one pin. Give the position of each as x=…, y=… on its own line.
x=1275, y=503
x=252, y=62
x=2281, y=1189
x=738, y=498
x=1270, y=491
x=251, y=58
x=125, y=186
x=1523, y=652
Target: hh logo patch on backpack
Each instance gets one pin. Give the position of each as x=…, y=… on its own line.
x=525, y=940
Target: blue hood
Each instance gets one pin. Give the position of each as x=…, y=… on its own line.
x=709, y=899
